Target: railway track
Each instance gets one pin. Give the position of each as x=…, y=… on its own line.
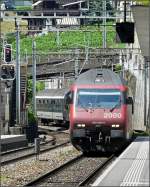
x=26, y=148
x=77, y=172
x=57, y=141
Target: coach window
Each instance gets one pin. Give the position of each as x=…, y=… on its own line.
x=56, y=105
x=59, y=105
x=53, y=101
x=38, y=103
x=49, y=105
x=52, y=104
x=43, y=107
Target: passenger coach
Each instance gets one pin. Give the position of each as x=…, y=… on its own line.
x=51, y=106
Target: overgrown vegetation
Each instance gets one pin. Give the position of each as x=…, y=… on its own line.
x=24, y=8
x=69, y=39
x=118, y=68
x=95, y=6
x=39, y=86
x=141, y=133
x=143, y=2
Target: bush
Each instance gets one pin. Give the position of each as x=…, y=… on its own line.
x=118, y=68
x=31, y=117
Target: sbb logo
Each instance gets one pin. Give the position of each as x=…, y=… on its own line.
x=112, y=115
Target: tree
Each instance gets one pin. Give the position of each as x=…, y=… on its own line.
x=96, y=6
x=39, y=86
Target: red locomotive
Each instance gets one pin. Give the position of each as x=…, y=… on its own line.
x=100, y=111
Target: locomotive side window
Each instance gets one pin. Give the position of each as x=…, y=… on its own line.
x=69, y=97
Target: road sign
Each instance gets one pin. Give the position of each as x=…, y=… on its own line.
x=7, y=72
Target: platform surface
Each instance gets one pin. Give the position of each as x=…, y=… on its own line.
x=131, y=168
x=12, y=138
x=52, y=128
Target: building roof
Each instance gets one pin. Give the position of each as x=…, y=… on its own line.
x=52, y=93
x=63, y=2
x=141, y=15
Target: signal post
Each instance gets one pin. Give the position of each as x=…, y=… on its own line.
x=7, y=75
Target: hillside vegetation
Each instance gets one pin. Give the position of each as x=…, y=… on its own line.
x=67, y=40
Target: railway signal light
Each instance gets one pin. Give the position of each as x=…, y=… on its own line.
x=7, y=72
x=8, y=53
x=125, y=32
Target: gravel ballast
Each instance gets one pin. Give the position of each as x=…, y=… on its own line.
x=24, y=171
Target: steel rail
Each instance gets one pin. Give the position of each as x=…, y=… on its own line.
x=3, y=163
x=53, y=172
x=94, y=173
x=85, y=181
x=25, y=148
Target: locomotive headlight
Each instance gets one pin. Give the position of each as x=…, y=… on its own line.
x=80, y=125
x=115, y=125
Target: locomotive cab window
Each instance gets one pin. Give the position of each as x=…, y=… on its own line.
x=99, y=98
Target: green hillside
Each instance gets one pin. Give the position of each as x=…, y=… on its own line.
x=67, y=40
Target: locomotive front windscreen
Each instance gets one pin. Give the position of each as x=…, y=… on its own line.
x=99, y=98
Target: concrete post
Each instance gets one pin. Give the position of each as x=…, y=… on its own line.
x=17, y=74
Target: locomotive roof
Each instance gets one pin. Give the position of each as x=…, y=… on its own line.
x=52, y=93
x=100, y=77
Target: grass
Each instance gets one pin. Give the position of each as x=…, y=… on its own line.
x=3, y=178
x=9, y=26
x=141, y=133
x=68, y=39
x=24, y=8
